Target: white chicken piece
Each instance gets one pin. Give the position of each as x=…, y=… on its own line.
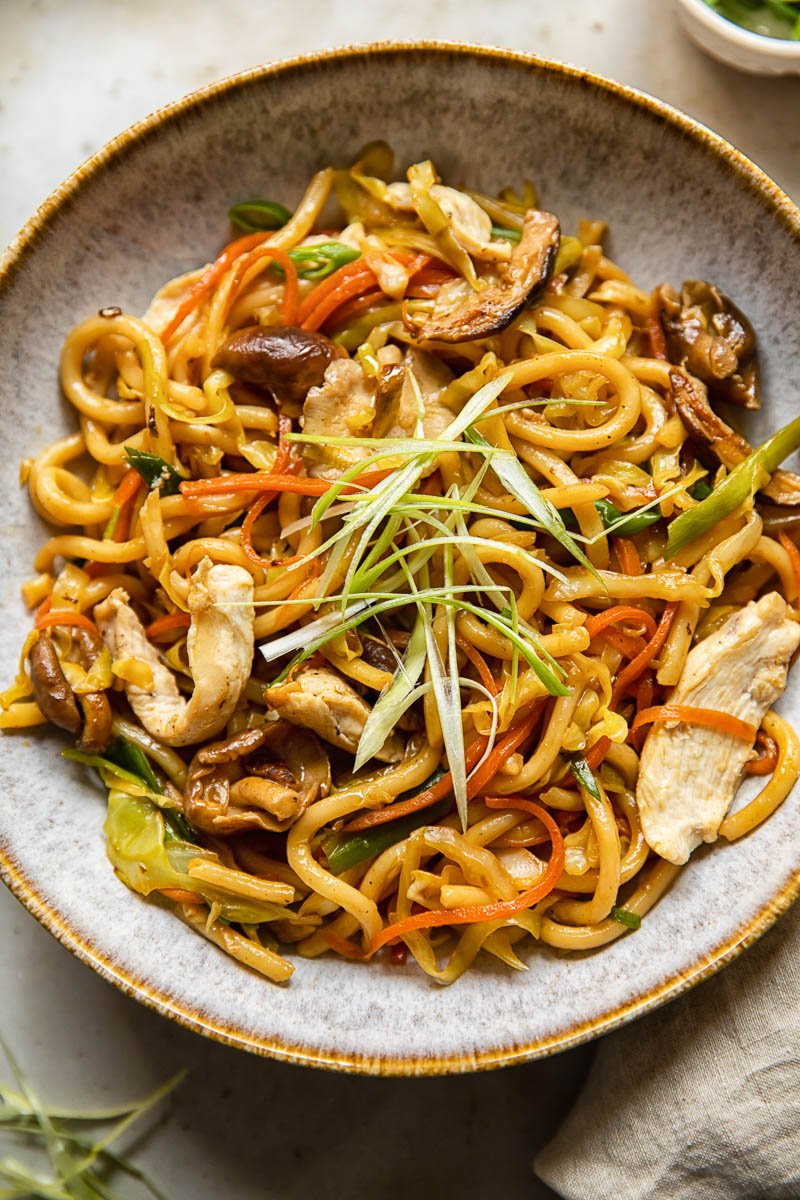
x=688, y=774
x=470, y=225
x=397, y=416
x=342, y=406
x=321, y=700
x=219, y=646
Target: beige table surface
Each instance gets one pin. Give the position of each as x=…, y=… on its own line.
x=72, y=74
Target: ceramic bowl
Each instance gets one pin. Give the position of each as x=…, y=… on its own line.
x=681, y=203
x=727, y=41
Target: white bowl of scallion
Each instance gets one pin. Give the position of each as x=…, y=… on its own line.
x=760, y=36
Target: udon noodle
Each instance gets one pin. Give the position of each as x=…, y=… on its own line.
x=381, y=544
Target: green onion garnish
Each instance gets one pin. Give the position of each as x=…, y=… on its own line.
x=154, y=471
x=625, y=917
x=585, y=775
x=254, y=215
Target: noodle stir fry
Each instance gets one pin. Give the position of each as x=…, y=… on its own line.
x=409, y=589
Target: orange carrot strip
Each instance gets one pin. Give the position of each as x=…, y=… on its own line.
x=635, y=668
x=253, y=513
x=263, y=481
x=423, y=799
x=479, y=663
x=65, y=617
x=620, y=612
x=627, y=556
x=794, y=557
x=502, y=751
x=697, y=716
x=628, y=644
x=346, y=290
x=290, y=291
x=317, y=295
x=43, y=608
x=128, y=487
x=766, y=763
x=173, y=620
x=356, y=306
x=209, y=277
x=341, y=945
x=599, y=750
x=487, y=912
x=180, y=896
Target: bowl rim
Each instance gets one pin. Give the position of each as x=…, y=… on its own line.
x=774, y=48
x=26, y=891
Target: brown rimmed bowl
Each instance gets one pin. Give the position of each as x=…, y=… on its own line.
x=681, y=203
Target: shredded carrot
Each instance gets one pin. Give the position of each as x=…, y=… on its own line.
x=346, y=291
x=794, y=557
x=122, y=500
x=253, y=513
x=290, y=291
x=479, y=663
x=128, y=487
x=210, y=276
x=356, y=306
x=488, y=912
x=350, y=280
x=341, y=945
x=64, y=617
x=502, y=751
x=635, y=668
x=629, y=645
x=766, y=763
x=620, y=612
x=594, y=757
x=284, y=464
x=627, y=556
x=94, y=569
x=697, y=716
x=264, y=481
x=528, y=806
x=423, y=799
x=43, y=608
x=170, y=621
x=180, y=896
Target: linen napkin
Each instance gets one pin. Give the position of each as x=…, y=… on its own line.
x=701, y=1099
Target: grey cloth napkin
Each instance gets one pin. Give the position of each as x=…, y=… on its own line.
x=700, y=1100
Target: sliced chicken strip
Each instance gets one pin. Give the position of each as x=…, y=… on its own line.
x=342, y=406
x=322, y=701
x=688, y=774
x=220, y=649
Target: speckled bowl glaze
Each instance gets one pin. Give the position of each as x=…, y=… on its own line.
x=681, y=203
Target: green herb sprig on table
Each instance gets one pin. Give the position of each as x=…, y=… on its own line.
x=79, y=1166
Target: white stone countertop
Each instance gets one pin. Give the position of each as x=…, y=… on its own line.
x=72, y=74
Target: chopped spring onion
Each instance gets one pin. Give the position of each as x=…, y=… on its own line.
x=585, y=775
x=508, y=235
x=625, y=524
x=624, y=916
x=320, y=260
x=252, y=215
x=389, y=707
x=154, y=471
x=745, y=479
x=511, y=473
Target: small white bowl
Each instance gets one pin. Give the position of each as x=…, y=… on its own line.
x=727, y=41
